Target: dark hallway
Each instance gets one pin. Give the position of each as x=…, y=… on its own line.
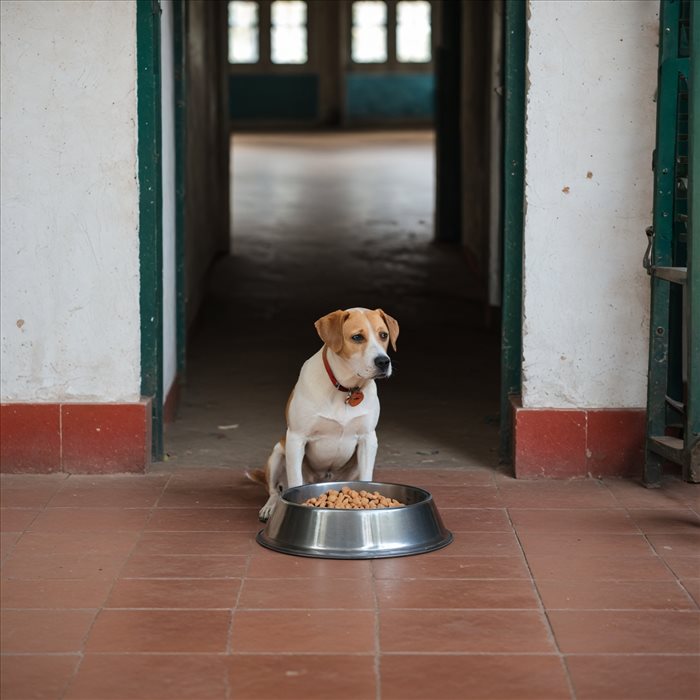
x=321, y=222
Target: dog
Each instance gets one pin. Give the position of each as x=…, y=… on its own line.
x=333, y=410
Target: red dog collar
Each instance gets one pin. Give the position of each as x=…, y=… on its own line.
x=354, y=396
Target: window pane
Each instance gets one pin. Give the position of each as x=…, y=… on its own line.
x=289, y=36
x=413, y=31
x=243, y=40
x=369, y=31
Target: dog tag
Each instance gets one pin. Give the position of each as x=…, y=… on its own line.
x=354, y=398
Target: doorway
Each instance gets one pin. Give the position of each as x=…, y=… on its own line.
x=331, y=218
x=324, y=221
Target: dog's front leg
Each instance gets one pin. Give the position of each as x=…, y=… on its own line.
x=366, y=453
x=294, y=447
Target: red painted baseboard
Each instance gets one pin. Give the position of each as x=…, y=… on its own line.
x=566, y=443
x=78, y=438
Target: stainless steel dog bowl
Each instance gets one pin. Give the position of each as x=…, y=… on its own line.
x=306, y=531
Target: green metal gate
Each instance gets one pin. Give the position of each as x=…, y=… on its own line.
x=673, y=255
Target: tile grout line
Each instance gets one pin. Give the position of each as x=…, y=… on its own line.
x=101, y=608
x=663, y=561
x=377, y=648
x=228, y=652
x=543, y=611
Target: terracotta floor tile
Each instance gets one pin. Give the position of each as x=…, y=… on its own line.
x=169, y=566
x=309, y=631
x=692, y=585
x=680, y=545
x=428, y=478
x=204, y=494
x=666, y=521
x=584, y=544
x=174, y=593
x=683, y=567
x=470, y=631
x=28, y=491
x=62, y=566
x=455, y=593
x=42, y=631
x=205, y=520
x=644, y=677
x=610, y=568
x=301, y=677
x=476, y=519
x=201, y=631
x=483, y=544
x=442, y=566
x=199, y=543
x=611, y=595
x=17, y=519
x=90, y=520
x=38, y=677
x=574, y=521
x=556, y=494
x=460, y=677
x=633, y=494
x=448, y=496
x=55, y=593
x=149, y=677
x=267, y=564
x=109, y=491
x=7, y=543
x=617, y=632
x=77, y=543
x=308, y=593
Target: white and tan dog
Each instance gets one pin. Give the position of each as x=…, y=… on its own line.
x=333, y=410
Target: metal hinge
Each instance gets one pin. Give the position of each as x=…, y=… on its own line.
x=647, y=262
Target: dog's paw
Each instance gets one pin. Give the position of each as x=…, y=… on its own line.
x=266, y=511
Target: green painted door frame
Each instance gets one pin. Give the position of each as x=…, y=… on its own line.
x=513, y=213
x=150, y=212
x=180, y=58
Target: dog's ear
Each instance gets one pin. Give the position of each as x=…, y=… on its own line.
x=392, y=325
x=330, y=329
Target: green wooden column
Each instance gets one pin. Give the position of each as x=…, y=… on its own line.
x=672, y=260
x=150, y=212
x=180, y=58
x=692, y=318
x=513, y=213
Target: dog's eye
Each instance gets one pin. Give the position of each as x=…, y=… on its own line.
x=383, y=335
x=358, y=337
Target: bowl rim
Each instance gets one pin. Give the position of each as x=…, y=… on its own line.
x=427, y=496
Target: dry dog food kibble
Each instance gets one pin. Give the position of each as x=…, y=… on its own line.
x=349, y=499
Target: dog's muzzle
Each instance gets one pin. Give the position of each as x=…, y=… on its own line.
x=383, y=365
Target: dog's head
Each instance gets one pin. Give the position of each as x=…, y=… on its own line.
x=361, y=337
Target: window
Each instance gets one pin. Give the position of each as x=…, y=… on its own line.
x=391, y=32
x=369, y=31
x=413, y=31
x=289, y=32
x=265, y=32
x=243, y=32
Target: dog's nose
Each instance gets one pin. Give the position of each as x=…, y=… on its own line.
x=382, y=362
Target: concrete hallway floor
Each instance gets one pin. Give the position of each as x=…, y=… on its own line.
x=327, y=221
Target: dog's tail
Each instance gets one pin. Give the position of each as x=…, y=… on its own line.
x=257, y=475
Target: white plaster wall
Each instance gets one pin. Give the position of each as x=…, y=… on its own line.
x=69, y=252
x=589, y=139
x=168, y=151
